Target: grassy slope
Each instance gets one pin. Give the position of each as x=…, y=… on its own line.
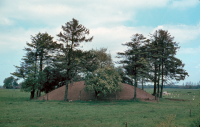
x=17, y=110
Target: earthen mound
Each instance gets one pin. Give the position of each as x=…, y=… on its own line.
x=76, y=92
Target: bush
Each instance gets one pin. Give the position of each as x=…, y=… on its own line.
x=103, y=81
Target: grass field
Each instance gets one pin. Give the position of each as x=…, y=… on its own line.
x=16, y=110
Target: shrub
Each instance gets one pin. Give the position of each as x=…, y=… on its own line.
x=103, y=81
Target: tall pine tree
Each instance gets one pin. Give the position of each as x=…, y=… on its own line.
x=133, y=58
x=72, y=35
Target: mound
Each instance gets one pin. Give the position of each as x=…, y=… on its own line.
x=76, y=92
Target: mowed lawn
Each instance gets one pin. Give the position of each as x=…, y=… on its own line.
x=16, y=110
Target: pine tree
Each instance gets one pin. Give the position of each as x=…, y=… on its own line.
x=44, y=47
x=73, y=34
x=38, y=51
x=164, y=63
x=133, y=58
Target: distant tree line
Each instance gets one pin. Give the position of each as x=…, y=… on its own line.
x=10, y=83
x=191, y=85
x=196, y=86
x=48, y=64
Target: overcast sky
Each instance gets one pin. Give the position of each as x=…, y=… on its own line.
x=111, y=22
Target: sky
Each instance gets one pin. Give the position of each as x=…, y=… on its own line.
x=111, y=22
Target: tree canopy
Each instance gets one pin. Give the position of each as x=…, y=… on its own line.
x=152, y=59
x=72, y=35
x=10, y=82
x=133, y=58
x=103, y=81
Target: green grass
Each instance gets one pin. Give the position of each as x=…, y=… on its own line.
x=16, y=110
x=186, y=94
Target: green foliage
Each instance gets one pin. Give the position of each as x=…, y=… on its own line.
x=103, y=81
x=71, y=36
x=162, y=61
x=29, y=84
x=102, y=58
x=133, y=59
x=51, y=78
x=38, y=52
x=153, y=59
x=9, y=82
x=15, y=83
x=125, y=78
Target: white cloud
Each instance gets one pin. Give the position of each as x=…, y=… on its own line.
x=112, y=38
x=184, y=4
x=90, y=12
x=15, y=39
x=102, y=13
x=6, y=21
x=44, y=11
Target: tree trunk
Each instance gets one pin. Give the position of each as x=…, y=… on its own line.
x=142, y=84
x=41, y=66
x=158, y=81
x=37, y=93
x=41, y=60
x=66, y=91
x=155, y=79
x=68, y=71
x=162, y=82
x=33, y=91
x=96, y=97
x=135, y=91
x=32, y=94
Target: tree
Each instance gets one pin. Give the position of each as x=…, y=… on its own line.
x=44, y=47
x=40, y=49
x=29, y=83
x=163, y=63
x=91, y=60
x=133, y=58
x=125, y=78
x=20, y=71
x=49, y=79
x=102, y=58
x=9, y=82
x=73, y=34
x=15, y=83
x=103, y=81
x=153, y=60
